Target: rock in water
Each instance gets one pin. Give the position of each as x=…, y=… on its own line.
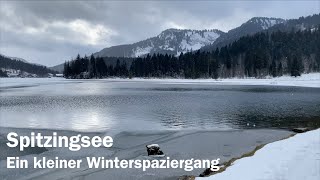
x=154, y=150
x=300, y=130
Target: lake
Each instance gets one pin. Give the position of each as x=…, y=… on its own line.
x=129, y=105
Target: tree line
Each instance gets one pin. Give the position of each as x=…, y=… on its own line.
x=93, y=67
x=260, y=55
x=7, y=63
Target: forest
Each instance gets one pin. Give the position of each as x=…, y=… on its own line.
x=7, y=63
x=259, y=55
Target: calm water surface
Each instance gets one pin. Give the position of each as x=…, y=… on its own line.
x=105, y=105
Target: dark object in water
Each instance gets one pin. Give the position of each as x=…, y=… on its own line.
x=154, y=150
x=206, y=172
x=300, y=130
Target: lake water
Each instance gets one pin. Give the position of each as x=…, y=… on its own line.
x=128, y=105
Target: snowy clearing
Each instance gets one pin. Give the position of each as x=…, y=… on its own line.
x=294, y=158
x=305, y=80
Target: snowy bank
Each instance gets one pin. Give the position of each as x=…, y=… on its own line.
x=297, y=158
x=305, y=80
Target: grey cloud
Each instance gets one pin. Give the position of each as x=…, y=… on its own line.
x=48, y=31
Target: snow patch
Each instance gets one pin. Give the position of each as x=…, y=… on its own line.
x=142, y=51
x=294, y=158
x=196, y=41
x=305, y=80
x=177, y=41
x=153, y=145
x=266, y=23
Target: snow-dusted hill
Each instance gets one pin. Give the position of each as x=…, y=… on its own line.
x=20, y=59
x=260, y=24
x=18, y=67
x=252, y=26
x=15, y=58
x=170, y=41
x=264, y=22
x=175, y=41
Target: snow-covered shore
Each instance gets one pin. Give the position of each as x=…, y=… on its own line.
x=294, y=158
x=305, y=80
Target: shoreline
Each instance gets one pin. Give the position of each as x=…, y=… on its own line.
x=175, y=144
x=294, y=157
x=305, y=80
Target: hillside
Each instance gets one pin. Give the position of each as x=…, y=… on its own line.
x=260, y=55
x=257, y=24
x=11, y=66
x=170, y=41
x=252, y=26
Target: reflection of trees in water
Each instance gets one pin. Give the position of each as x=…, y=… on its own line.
x=171, y=117
x=180, y=115
x=279, y=110
x=260, y=120
x=273, y=108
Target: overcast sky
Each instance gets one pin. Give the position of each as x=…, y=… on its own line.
x=51, y=32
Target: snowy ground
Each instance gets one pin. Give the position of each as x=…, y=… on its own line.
x=291, y=159
x=305, y=80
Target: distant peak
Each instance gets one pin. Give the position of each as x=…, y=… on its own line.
x=189, y=30
x=271, y=18
x=264, y=19
x=15, y=58
x=265, y=22
x=173, y=30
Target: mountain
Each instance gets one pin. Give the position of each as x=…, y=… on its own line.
x=58, y=68
x=250, y=27
x=170, y=41
x=174, y=41
x=15, y=58
x=259, y=24
x=300, y=24
x=261, y=55
x=17, y=66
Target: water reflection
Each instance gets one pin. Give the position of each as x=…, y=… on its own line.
x=100, y=105
x=91, y=119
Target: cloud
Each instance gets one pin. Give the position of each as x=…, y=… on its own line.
x=75, y=31
x=50, y=32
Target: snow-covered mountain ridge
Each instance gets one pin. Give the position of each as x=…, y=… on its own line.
x=170, y=41
x=265, y=22
x=175, y=41
x=252, y=26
